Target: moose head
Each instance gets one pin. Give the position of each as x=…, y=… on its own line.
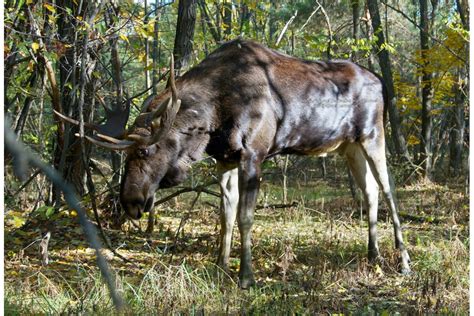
x=159, y=146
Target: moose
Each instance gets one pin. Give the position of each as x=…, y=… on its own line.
x=243, y=104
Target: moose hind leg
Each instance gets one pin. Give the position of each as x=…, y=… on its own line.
x=249, y=183
x=365, y=180
x=375, y=154
x=229, y=185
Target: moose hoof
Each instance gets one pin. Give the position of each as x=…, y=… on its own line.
x=245, y=282
x=405, y=271
x=375, y=257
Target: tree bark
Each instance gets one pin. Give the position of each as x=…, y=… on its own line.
x=426, y=93
x=228, y=18
x=462, y=7
x=272, y=21
x=20, y=123
x=370, y=34
x=456, y=141
x=75, y=66
x=461, y=92
x=183, y=43
x=386, y=69
x=244, y=18
x=118, y=103
x=355, y=25
x=205, y=15
x=147, y=51
x=155, y=51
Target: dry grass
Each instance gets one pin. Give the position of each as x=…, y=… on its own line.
x=308, y=259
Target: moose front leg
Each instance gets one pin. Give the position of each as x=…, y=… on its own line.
x=249, y=182
x=229, y=184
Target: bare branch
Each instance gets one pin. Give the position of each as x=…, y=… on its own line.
x=309, y=18
x=201, y=188
x=23, y=158
x=329, y=28
x=286, y=27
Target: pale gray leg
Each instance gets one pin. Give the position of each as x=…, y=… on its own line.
x=229, y=185
x=365, y=180
x=375, y=154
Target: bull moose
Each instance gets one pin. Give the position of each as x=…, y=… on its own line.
x=243, y=104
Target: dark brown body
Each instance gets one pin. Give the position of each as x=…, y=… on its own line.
x=245, y=103
x=273, y=103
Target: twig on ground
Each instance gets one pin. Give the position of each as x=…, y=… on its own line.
x=182, y=222
x=293, y=204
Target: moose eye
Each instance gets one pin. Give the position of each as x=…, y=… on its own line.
x=143, y=152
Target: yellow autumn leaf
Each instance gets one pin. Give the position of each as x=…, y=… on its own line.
x=50, y=7
x=413, y=140
x=31, y=66
x=124, y=37
x=18, y=221
x=35, y=46
x=141, y=57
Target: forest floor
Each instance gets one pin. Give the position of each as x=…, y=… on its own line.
x=308, y=259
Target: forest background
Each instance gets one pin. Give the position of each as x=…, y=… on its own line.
x=91, y=60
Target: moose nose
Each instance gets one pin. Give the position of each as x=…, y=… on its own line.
x=134, y=210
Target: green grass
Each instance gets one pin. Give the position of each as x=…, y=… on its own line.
x=308, y=259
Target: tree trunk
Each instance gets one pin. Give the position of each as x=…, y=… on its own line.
x=228, y=19
x=386, y=69
x=462, y=7
x=118, y=103
x=272, y=22
x=355, y=25
x=155, y=53
x=65, y=151
x=426, y=93
x=457, y=131
x=461, y=92
x=68, y=156
x=244, y=18
x=206, y=17
x=370, y=34
x=20, y=123
x=218, y=18
x=147, y=51
x=183, y=43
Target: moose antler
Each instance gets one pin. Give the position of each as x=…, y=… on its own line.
x=161, y=118
x=110, y=141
